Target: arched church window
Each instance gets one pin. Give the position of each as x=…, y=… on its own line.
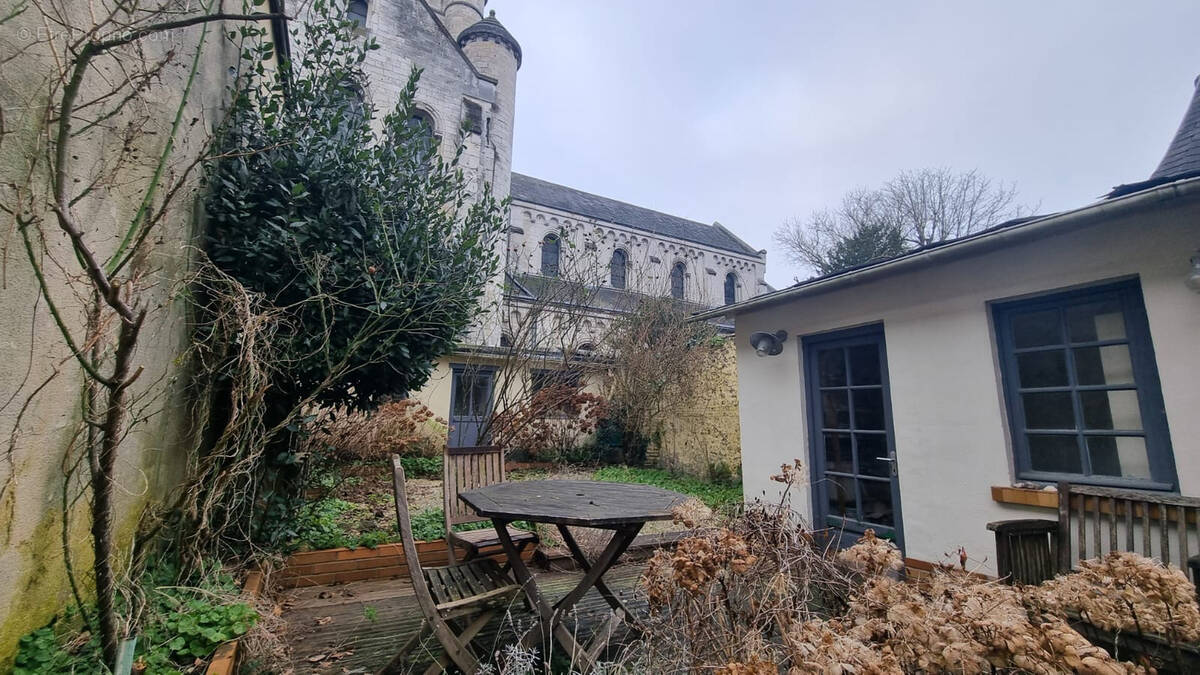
x=420, y=124
x=551, y=246
x=617, y=268
x=357, y=12
x=730, y=288
x=677, y=273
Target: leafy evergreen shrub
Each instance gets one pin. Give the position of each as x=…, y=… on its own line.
x=372, y=244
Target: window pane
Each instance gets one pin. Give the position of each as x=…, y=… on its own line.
x=1103, y=365
x=871, y=446
x=868, y=408
x=864, y=365
x=1096, y=321
x=1049, y=410
x=1042, y=369
x=479, y=396
x=550, y=255
x=831, y=365
x=1054, y=453
x=837, y=453
x=462, y=394
x=835, y=410
x=1116, y=409
x=1119, y=456
x=842, y=501
x=1035, y=329
x=877, y=502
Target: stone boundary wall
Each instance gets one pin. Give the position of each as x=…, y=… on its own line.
x=705, y=432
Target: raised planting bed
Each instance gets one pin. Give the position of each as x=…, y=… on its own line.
x=224, y=660
x=343, y=565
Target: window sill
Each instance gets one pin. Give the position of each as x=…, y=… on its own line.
x=1004, y=494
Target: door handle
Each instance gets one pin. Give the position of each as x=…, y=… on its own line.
x=891, y=462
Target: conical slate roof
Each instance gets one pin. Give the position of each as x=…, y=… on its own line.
x=1183, y=156
x=491, y=29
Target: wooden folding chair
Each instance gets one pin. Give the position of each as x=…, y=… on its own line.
x=466, y=469
x=456, y=602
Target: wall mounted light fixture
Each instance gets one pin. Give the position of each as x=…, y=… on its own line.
x=1193, y=277
x=768, y=344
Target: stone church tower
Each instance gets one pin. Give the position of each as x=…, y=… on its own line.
x=496, y=54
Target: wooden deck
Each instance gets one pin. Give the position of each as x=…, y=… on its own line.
x=357, y=627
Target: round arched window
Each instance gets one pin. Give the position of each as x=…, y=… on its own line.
x=357, y=12
x=730, y=288
x=677, y=273
x=617, y=268
x=551, y=249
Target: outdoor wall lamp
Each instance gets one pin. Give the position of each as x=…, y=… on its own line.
x=1193, y=278
x=768, y=344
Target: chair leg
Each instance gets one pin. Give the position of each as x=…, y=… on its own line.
x=396, y=665
x=459, y=650
x=451, y=554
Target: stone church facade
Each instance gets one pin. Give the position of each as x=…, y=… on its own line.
x=467, y=95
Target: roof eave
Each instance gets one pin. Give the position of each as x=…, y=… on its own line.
x=970, y=245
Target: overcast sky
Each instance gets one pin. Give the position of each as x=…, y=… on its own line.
x=750, y=112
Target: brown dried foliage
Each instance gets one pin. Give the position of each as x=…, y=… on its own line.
x=554, y=418
x=405, y=427
x=1124, y=592
x=763, y=594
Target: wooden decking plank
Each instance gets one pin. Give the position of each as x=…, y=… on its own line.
x=370, y=644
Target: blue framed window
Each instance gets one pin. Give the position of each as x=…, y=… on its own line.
x=1082, y=389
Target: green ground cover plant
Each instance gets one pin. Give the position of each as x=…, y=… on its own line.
x=716, y=496
x=181, y=627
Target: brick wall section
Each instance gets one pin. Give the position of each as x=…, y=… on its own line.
x=706, y=431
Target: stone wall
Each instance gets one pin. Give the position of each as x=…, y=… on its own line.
x=40, y=383
x=590, y=244
x=705, y=431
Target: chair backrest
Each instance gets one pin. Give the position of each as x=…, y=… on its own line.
x=420, y=586
x=1095, y=520
x=466, y=469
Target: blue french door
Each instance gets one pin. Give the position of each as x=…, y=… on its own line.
x=855, y=481
x=470, y=404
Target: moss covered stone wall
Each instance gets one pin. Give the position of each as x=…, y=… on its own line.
x=704, y=431
x=40, y=384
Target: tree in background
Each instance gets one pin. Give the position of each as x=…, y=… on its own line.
x=657, y=354
x=914, y=209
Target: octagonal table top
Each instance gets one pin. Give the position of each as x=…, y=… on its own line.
x=584, y=503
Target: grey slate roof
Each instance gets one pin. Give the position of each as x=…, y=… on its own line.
x=1183, y=156
x=537, y=191
x=491, y=29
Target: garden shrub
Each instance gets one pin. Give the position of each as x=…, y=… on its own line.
x=346, y=254
x=764, y=594
x=181, y=625
x=404, y=427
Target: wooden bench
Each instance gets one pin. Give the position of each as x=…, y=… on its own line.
x=465, y=469
x=1093, y=521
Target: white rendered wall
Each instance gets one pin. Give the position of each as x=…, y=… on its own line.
x=949, y=416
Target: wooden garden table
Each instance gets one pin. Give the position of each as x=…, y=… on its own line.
x=621, y=507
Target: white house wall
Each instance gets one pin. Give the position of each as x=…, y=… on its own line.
x=949, y=416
